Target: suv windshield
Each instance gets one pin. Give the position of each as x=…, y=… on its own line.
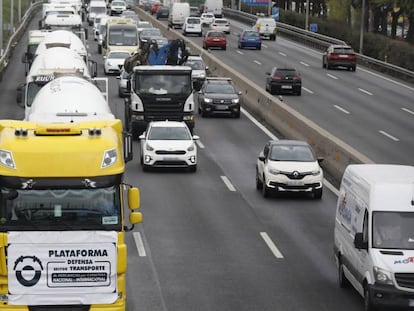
x=168, y=133
x=222, y=88
x=291, y=153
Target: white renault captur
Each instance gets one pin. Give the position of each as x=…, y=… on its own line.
x=168, y=144
x=289, y=166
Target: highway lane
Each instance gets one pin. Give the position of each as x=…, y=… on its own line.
x=204, y=243
x=369, y=111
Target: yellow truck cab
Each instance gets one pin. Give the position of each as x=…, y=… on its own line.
x=121, y=34
x=63, y=215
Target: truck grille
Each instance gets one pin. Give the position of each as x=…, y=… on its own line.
x=159, y=110
x=405, y=280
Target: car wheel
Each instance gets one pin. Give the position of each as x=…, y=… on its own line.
x=299, y=92
x=328, y=66
x=342, y=280
x=203, y=113
x=193, y=168
x=353, y=68
x=145, y=167
x=272, y=90
x=259, y=184
x=368, y=305
x=239, y=46
x=204, y=47
x=200, y=34
x=317, y=194
x=237, y=115
x=225, y=48
x=323, y=64
x=265, y=189
x=259, y=47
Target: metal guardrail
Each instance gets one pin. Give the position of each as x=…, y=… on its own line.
x=16, y=36
x=320, y=42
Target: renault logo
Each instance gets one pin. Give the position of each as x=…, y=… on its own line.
x=295, y=174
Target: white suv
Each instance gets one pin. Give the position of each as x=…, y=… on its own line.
x=289, y=166
x=168, y=144
x=192, y=25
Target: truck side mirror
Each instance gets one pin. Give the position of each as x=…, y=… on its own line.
x=93, y=68
x=128, y=86
x=19, y=94
x=128, y=155
x=359, y=242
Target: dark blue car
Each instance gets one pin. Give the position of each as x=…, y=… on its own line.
x=250, y=39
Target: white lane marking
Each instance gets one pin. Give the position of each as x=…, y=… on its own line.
x=258, y=124
x=228, y=183
x=389, y=135
x=240, y=52
x=407, y=110
x=332, y=76
x=331, y=187
x=305, y=64
x=271, y=245
x=273, y=137
x=200, y=144
x=283, y=54
x=307, y=90
x=257, y=62
x=341, y=109
x=264, y=46
x=386, y=79
x=139, y=244
x=365, y=91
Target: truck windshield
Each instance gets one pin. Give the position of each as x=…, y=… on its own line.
x=123, y=36
x=393, y=230
x=161, y=84
x=60, y=209
x=32, y=89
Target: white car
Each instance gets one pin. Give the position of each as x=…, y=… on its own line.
x=220, y=24
x=117, y=7
x=207, y=19
x=168, y=144
x=114, y=61
x=288, y=166
x=198, y=72
x=192, y=25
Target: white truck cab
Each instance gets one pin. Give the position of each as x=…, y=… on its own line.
x=69, y=99
x=374, y=234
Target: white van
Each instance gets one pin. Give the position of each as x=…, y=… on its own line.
x=95, y=8
x=374, y=234
x=215, y=7
x=179, y=12
x=266, y=27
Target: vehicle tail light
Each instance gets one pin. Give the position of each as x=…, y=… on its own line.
x=296, y=78
x=214, y=25
x=276, y=78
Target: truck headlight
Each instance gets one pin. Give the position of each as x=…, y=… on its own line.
x=109, y=158
x=6, y=158
x=383, y=276
x=235, y=100
x=207, y=100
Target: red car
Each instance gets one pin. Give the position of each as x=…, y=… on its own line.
x=154, y=8
x=216, y=39
x=339, y=56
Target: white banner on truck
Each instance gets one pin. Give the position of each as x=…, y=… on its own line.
x=61, y=268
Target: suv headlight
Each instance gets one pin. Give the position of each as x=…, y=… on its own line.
x=207, y=100
x=235, y=100
x=383, y=276
x=316, y=172
x=191, y=148
x=148, y=147
x=273, y=171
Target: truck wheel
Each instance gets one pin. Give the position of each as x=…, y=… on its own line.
x=368, y=305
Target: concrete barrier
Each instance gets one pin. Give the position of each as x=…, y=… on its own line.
x=275, y=113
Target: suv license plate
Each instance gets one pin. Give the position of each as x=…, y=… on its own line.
x=286, y=87
x=221, y=107
x=295, y=183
